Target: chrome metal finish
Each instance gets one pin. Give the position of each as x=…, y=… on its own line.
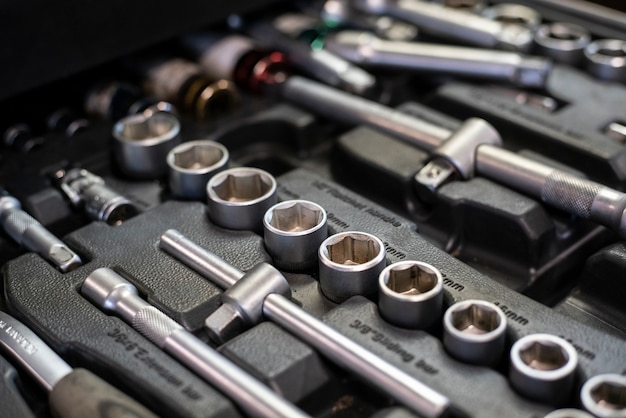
x=191, y=166
x=513, y=13
x=568, y=413
x=563, y=42
x=112, y=292
x=617, y=131
x=349, y=265
x=33, y=236
x=410, y=294
x=347, y=354
x=31, y=352
x=475, y=332
x=451, y=23
x=101, y=203
x=604, y=395
x=543, y=368
x=581, y=197
x=366, y=49
x=606, y=59
x=293, y=232
x=240, y=196
x=142, y=142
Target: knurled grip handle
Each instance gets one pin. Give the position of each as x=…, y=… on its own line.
x=154, y=325
x=81, y=394
x=569, y=193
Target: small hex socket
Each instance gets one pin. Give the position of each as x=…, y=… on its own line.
x=349, y=264
x=293, y=232
x=474, y=331
x=606, y=59
x=142, y=142
x=410, y=294
x=604, y=395
x=191, y=166
x=543, y=368
x=563, y=42
x=512, y=13
x=239, y=197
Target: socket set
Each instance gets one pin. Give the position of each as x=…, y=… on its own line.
x=344, y=208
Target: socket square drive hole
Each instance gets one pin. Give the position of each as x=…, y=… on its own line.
x=610, y=395
x=544, y=355
x=242, y=187
x=476, y=319
x=296, y=218
x=563, y=33
x=352, y=251
x=197, y=157
x=142, y=127
x=411, y=280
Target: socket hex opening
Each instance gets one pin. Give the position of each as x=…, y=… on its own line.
x=198, y=156
x=298, y=216
x=544, y=355
x=413, y=279
x=605, y=395
x=141, y=127
x=242, y=186
x=476, y=319
x=353, y=249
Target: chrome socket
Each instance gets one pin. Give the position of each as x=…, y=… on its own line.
x=512, y=13
x=563, y=42
x=543, y=368
x=349, y=265
x=293, y=232
x=604, y=395
x=474, y=331
x=239, y=197
x=606, y=59
x=142, y=142
x=410, y=294
x=192, y=164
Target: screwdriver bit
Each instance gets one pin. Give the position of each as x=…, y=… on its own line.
x=32, y=235
x=74, y=393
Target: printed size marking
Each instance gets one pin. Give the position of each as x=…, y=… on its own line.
x=513, y=316
x=22, y=341
x=385, y=218
x=286, y=191
x=142, y=355
x=335, y=220
x=383, y=340
x=393, y=252
x=339, y=195
x=588, y=354
x=452, y=284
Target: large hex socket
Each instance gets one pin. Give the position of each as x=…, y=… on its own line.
x=142, y=142
x=410, y=294
x=474, y=331
x=191, y=166
x=606, y=59
x=543, y=368
x=349, y=264
x=239, y=197
x=293, y=232
x=563, y=42
x=604, y=395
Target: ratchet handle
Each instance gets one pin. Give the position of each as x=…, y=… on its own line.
x=82, y=394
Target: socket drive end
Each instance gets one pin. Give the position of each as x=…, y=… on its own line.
x=543, y=368
x=604, y=395
x=410, y=294
x=239, y=197
x=533, y=72
x=475, y=332
x=350, y=264
x=293, y=232
x=65, y=259
x=106, y=288
x=224, y=324
x=191, y=166
x=436, y=173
